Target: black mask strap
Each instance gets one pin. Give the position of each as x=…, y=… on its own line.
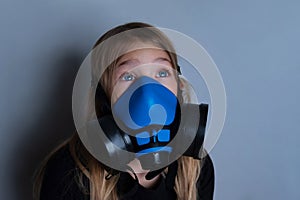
x=171, y=175
x=179, y=70
x=102, y=103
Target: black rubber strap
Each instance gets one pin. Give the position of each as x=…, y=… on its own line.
x=171, y=175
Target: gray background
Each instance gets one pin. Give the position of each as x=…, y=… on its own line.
x=254, y=43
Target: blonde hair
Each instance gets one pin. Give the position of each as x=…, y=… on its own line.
x=107, y=55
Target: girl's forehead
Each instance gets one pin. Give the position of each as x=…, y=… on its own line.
x=145, y=53
x=125, y=47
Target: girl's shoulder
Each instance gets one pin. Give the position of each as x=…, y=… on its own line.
x=60, y=178
x=206, y=181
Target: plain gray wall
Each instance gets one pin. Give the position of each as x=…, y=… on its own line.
x=254, y=43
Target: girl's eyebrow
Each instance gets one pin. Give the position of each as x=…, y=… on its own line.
x=162, y=59
x=127, y=62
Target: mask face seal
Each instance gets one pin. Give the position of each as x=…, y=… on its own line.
x=149, y=113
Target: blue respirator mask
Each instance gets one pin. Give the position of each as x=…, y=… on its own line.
x=146, y=118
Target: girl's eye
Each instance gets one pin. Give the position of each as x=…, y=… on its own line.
x=163, y=74
x=127, y=77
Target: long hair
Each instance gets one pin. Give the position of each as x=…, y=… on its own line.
x=105, y=54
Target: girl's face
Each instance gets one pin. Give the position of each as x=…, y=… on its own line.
x=151, y=62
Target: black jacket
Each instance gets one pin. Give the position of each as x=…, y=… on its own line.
x=60, y=182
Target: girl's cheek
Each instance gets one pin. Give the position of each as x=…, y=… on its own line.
x=119, y=88
x=171, y=84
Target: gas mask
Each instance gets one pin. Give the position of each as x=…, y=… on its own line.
x=145, y=120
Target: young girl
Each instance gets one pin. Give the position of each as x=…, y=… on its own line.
x=71, y=172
